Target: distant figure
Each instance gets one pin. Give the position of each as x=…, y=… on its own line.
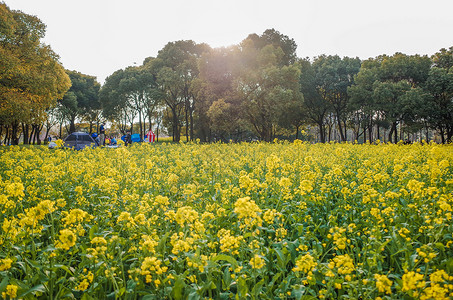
x=113, y=141
x=102, y=134
x=49, y=139
x=128, y=139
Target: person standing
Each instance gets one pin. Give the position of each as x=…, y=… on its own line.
x=128, y=138
x=102, y=134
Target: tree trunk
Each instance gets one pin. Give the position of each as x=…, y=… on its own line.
x=191, y=124
x=140, y=124
x=31, y=138
x=378, y=134
x=321, y=132
x=395, y=131
x=7, y=133
x=25, y=129
x=330, y=132
x=38, y=129
x=47, y=133
x=72, y=125
x=186, y=115
x=442, y=137
x=340, y=129
x=14, y=132
x=449, y=134
x=364, y=133
x=175, y=127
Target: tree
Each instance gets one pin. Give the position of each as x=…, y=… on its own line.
x=175, y=68
x=438, y=110
x=265, y=89
x=388, y=88
x=115, y=103
x=315, y=105
x=82, y=99
x=215, y=82
x=333, y=77
x=31, y=78
x=278, y=40
x=365, y=113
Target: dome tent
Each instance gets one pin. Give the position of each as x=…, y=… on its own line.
x=79, y=140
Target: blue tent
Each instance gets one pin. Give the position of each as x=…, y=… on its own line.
x=135, y=138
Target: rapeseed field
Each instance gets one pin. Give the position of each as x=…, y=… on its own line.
x=227, y=221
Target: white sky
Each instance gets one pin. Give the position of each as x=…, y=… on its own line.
x=98, y=37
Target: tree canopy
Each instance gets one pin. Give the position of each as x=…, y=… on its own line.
x=31, y=77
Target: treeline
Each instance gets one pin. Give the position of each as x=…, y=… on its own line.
x=260, y=89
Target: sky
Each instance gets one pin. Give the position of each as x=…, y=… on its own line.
x=99, y=37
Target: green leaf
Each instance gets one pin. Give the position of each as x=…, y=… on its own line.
x=33, y=263
x=193, y=296
x=450, y=266
x=226, y=258
x=37, y=288
x=4, y=283
x=257, y=288
x=63, y=267
x=307, y=297
x=440, y=246
x=242, y=288
x=281, y=261
x=86, y=297
x=178, y=288
x=93, y=230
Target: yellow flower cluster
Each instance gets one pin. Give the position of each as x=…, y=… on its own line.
x=413, y=281
x=11, y=291
x=247, y=210
x=198, y=262
x=148, y=243
x=306, y=186
x=305, y=264
x=228, y=242
x=343, y=263
x=426, y=253
x=339, y=237
x=75, y=220
x=383, y=283
x=5, y=264
x=257, y=262
x=186, y=215
x=439, y=288
x=85, y=283
x=181, y=243
x=152, y=266
x=270, y=215
x=67, y=239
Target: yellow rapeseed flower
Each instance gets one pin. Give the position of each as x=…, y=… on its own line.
x=257, y=262
x=11, y=291
x=383, y=284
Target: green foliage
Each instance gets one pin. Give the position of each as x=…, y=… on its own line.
x=31, y=78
